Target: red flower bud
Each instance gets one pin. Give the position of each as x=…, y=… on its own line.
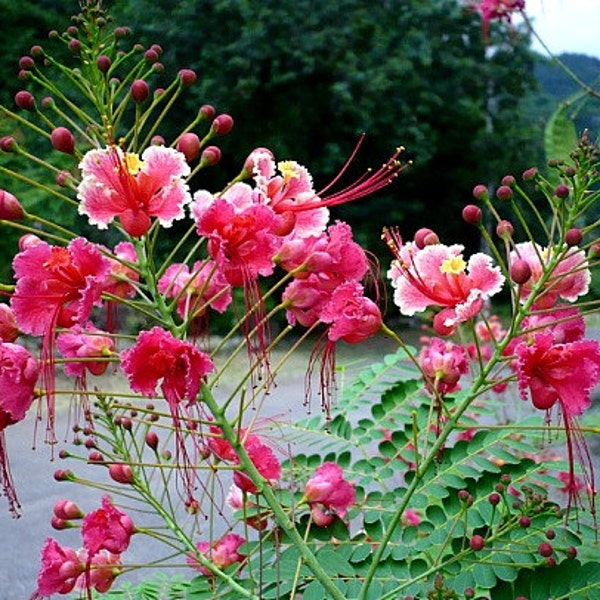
x=121, y=32
x=208, y=112
x=103, y=63
x=189, y=145
x=10, y=207
x=509, y=181
x=7, y=143
x=562, y=191
x=63, y=140
x=63, y=178
x=520, y=271
x=504, y=229
x=36, y=51
x=222, y=124
x=480, y=192
x=504, y=193
x=121, y=473
x=25, y=100
x=47, y=102
x=477, y=543
x=67, y=509
x=573, y=236
x=151, y=56
x=472, y=214
x=187, y=77
x=28, y=240
x=157, y=140
x=152, y=440
x=211, y=155
x=425, y=237
x=9, y=331
x=26, y=63
x=545, y=549
x=530, y=174
x=158, y=67
x=75, y=46
x=139, y=90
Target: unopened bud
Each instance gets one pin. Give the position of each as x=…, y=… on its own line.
x=63, y=140
x=121, y=473
x=504, y=229
x=25, y=100
x=75, y=46
x=152, y=440
x=504, y=193
x=222, y=124
x=208, y=112
x=139, y=90
x=10, y=207
x=509, y=181
x=187, y=77
x=121, y=32
x=189, y=145
x=7, y=143
x=480, y=192
x=562, y=191
x=472, y=214
x=573, y=236
x=477, y=543
x=103, y=63
x=211, y=155
x=425, y=237
x=36, y=51
x=63, y=177
x=26, y=63
x=157, y=140
x=151, y=56
x=520, y=271
x=67, y=509
x=530, y=174
x=9, y=331
x=28, y=240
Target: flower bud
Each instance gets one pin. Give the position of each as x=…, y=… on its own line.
x=208, y=112
x=64, y=475
x=562, y=191
x=9, y=331
x=494, y=499
x=62, y=178
x=480, y=192
x=121, y=32
x=158, y=67
x=187, y=77
x=530, y=174
x=63, y=140
x=75, y=46
x=211, y=155
x=10, y=207
x=509, y=181
x=47, y=102
x=157, y=140
x=103, y=63
x=152, y=440
x=59, y=524
x=67, y=509
x=472, y=214
x=504, y=229
x=189, y=145
x=27, y=241
x=95, y=457
x=222, y=124
x=139, y=91
x=151, y=56
x=25, y=100
x=26, y=63
x=573, y=236
x=477, y=543
x=121, y=473
x=7, y=143
x=545, y=549
x=36, y=51
x=504, y=193
x=425, y=237
x=520, y=271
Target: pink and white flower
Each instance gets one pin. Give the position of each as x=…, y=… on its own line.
x=223, y=553
x=87, y=342
x=443, y=364
x=329, y=494
x=134, y=189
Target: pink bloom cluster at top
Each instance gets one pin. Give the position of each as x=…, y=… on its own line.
x=261, y=455
x=329, y=494
x=134, y=189
x=437, y=276
x=222, y=554
x=106, y=535
x=496, y=10
x=569, y=279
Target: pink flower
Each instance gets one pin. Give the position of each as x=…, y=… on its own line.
x=19, y=372
x=57, y=286
x=443, y=364
x=241, y=231
x=329, y=494
x=222, y=553
x=101, y=570
x=85, y=343
x=158, y=356
x=564, y=373
x=305, y=299
x=134, y=189
x=59, y=571
x=411, y=517
x=239, y=501
x=569, y=279
x=107, y=528
x=351, y=316
x=122, y=277
x=195, y=291
x=500, y=10
x=438, y=276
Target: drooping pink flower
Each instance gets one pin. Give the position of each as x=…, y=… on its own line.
x=57, y=286
x=197, y=289
x=443, y=364
x=101, y=570
x=122, y=277
x=117, y=184
x=59, y=570
x=569, y=279
x=241, y=231
x=178, y=365
x=329, y=494
x=305, y=299
x=87, y=342
x=223, y=553
x=438, y=276
x=107, y=528
x=350, y=315
x=562, y=374
x=19, y=372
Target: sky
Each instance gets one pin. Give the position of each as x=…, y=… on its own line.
x=566, y=25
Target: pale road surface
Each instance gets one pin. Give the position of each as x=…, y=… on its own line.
x=21, y=539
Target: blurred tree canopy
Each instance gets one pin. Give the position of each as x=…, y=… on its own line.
x=306, y=78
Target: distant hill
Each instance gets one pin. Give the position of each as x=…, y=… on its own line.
x=556, y=87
